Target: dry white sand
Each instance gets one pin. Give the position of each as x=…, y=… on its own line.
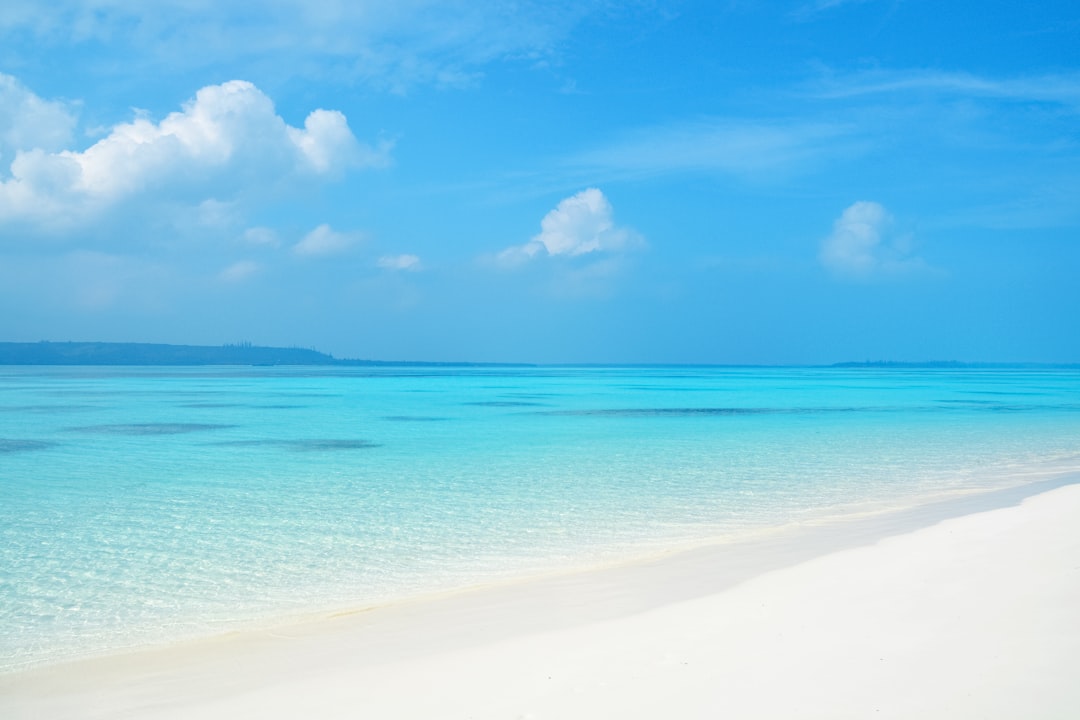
x=977, y=616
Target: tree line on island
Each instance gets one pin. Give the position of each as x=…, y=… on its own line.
x=245, y=353
x=108, y=353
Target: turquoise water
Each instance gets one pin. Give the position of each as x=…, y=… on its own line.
x=145, y=505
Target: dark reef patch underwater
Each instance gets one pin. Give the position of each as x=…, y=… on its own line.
x=8, y=445
x=148, y=428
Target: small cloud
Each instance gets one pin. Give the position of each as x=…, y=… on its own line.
x=570, y=87
x=581, y=224
x=239, y=271
x=215, y=213
x=410, y=263
x=324, y=241
x=261, y=237
x=862, y=244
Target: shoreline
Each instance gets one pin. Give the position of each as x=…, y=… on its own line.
x=218, y=671
x=767, y=546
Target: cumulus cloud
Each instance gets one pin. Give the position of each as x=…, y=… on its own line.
x=324, y=241
x=863, y=244
x=27, y=122
x=228, y=138
x=580, y=224
x=410, y=263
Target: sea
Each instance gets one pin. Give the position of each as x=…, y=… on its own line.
x=142, y=506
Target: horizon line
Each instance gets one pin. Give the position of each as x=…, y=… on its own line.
x=319, y=358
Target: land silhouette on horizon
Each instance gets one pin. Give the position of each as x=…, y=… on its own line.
x=116, y=353
x=133, y=353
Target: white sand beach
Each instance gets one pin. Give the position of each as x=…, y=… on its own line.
x=910, y=615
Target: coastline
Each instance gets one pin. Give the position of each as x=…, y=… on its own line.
x=467, y=644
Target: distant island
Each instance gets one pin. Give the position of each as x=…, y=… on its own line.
x=108, y=353
x=105, y=353
x=946, y=364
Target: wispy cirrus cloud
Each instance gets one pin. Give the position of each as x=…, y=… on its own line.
x=745, y=148
x=1061, y=89
x=1004, y=127
x=394, y=45
x=811, y=9
x=766, y=149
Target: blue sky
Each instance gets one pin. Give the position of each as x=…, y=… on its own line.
x=728, y=182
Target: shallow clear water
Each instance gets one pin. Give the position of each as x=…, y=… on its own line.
x=143, y=505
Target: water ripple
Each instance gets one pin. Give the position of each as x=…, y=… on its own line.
x=305, y=445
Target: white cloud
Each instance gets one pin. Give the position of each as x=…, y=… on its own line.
x=261, y=236
x=323, y=241
x=811, y=9
x=227, y=140
x=829, y=4
x=1062, y=89
x=410, y=263
x=390, y=44
x=580, y=224
x=214, y=213
x=862, y=244
x=741, y=148
x=328, y=145
x=27, y=122
x=239, y=271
